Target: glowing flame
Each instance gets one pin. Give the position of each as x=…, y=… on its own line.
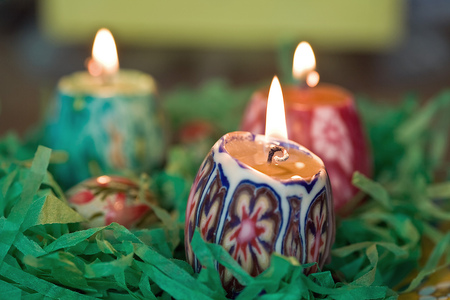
x=275, y=115
x=104, y=54
x=312, y=79
x=102, y=180
x=304, y=64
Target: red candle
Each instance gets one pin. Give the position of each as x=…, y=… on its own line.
x=324, y=119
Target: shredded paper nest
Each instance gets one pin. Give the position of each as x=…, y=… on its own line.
x=392, y=239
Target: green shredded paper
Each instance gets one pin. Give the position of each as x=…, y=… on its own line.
x=378, y=253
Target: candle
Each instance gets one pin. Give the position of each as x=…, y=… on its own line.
x=106, y=119
x=324, y=119
x=259, y=194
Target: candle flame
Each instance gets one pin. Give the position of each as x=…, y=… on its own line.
x=312, y=79
x=103, y=179
x=275, y=115
x=304, y=64
x=104, y=54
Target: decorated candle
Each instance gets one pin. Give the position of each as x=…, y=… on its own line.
x=324, y=119
x=108, y=199
x=106, y=119
x=259, y=194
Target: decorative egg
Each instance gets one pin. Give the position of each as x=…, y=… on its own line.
x=108, y=199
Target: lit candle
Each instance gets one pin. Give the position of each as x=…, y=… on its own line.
x=259, y=194
x=324, y=119
x=106, y=119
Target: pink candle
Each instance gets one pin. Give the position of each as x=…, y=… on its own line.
x=324, y=119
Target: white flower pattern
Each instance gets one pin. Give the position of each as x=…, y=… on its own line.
x=331, y=137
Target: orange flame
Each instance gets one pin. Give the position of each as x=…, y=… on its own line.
x=304, y=64
x=312, y=79
x=104, y=54
x=275, y=115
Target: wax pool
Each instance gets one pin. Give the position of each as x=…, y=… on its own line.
x=254, y=154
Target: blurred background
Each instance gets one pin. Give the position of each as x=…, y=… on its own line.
x=381, y=49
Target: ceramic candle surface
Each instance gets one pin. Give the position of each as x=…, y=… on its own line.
x=323, y=119
x=254, y=208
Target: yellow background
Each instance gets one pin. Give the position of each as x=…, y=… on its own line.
x=246, y=24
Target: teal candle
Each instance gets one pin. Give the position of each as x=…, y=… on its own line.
x=108, y=123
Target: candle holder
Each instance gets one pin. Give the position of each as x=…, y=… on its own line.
x=105, y=127
x=253, y=214
x=323, y=119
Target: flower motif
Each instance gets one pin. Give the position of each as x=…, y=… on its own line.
x=247, y=234
x=330, y=137
x=194, y=196
x=251, y=230
x=292, y=239
x=316, y=231
x=210, y=209
x=198, y=185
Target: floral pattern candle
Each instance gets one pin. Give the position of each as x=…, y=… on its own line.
x=105, y=119
x=259, y=194
x=324, y=119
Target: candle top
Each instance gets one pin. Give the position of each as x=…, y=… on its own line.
x=125, y=82
x=254, y=154
x=323, y=94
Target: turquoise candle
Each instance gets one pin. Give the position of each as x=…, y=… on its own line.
x=108, y=123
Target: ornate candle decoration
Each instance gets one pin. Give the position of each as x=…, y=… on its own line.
x=324, y=119
x=105, y=119
x=259, y=194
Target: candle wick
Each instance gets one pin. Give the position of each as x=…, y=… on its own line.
x=274, y=149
